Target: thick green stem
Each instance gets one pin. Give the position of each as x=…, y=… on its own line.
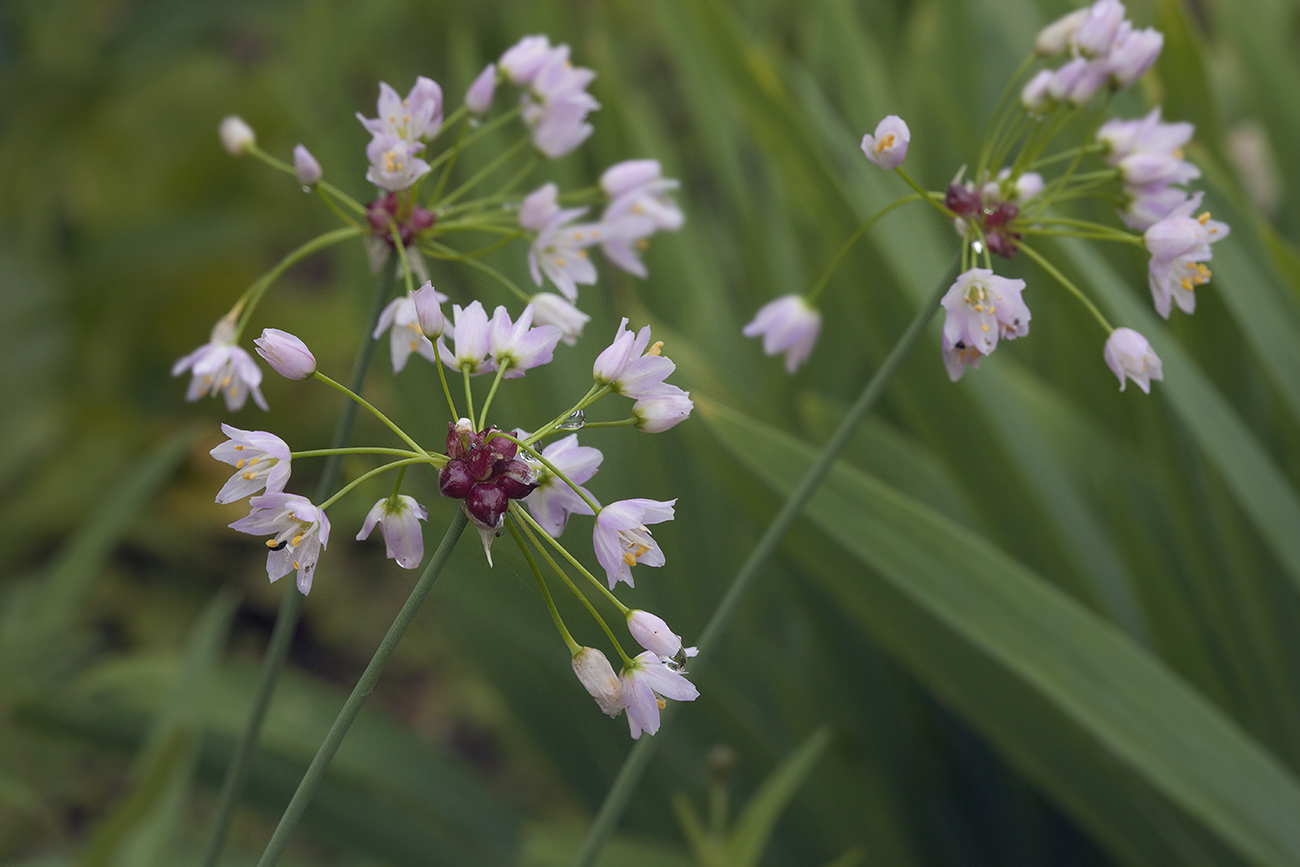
x=286, y=621
x=316, y=771
x=637, y=760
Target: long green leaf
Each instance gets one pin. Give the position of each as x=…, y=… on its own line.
x=1138, y=710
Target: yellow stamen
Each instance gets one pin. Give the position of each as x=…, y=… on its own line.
x=239, y=464
x=662, y=703
x=1203, y=218
x=657, y=349
x=559, y=262
x=250, y=476
x=239, y=448
x=295, y=565
x=225, y=381
x=414, y=344
x=642, y=244
x=253, y=461
x=629, y=559
x=979, y=308
x=297, y=540
x=885, y=143
x=984, y=328
x=582, y=253
x=271, y=543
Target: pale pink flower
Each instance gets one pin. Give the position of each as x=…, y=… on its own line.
x=664, y=408
x=980, y=308
x=402, y=317
x=394, y=165
x=399, y=522
x=299, y=532
x=478, y=99
x=221, y=367
x=622, y=539
x=1179, y=244
x=428, y=310
x=416, y=118
x=552, y=309
x=652, y=633
x=286, y=354
x=887, y=147
x=647, y=680
x=472, y=339
x=559, y=248
x=790, y=325
x=261, y=460
x=517, y=347
x=1128, y=354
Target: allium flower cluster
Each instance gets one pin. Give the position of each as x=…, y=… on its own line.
x=219, y=367
x=1103, y=49
x=1149, y=157
x=483, y=346
x=556, y=102
x=399, y=133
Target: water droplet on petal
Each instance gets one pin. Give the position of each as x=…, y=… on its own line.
x=575, y=421
x=977, y=247
x=306, y=189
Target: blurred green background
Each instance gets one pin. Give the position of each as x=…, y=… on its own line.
x=1044, y=622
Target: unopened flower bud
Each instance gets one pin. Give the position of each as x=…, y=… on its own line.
x=305, y=166
x=236, y=136
x=1128, y=354
x=1035, y=93
x=597, y=676
x=478, y=99
x=659, y=412
x=1054, y=38
x=652, y=633
x=455, y=481
x=486, y=505
x=428, y=310
x=287, y=354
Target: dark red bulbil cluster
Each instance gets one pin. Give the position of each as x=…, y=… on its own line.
x=485, y=474
x=965, y=202
x=410, y=218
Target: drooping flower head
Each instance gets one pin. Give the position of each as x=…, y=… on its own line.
x=887, y=147
x=663, y=408
x=559, y=250
x=260, y=459
x=652, y=633
x=221, y=367
x=597, y=676
x=399, y=521
x=646, y=681
x=305, y=166
x=790, y=325
x=1179, y=245
x=286, y=354
x=1128, y=354
x=622, y=539
x=981, y=307
x=551, y=309
x=299, y=531
x=406, y=337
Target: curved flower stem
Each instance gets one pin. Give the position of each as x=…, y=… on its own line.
x=595, y=507
x=487, y=402
x=582, y=597
x=506, y=156
x=451, y=163
x=574, y=647
x=624, y=423
x=1067, y=283
x=475, y=136
x=925, y=194
x=376, y=413
x=247, y=302
x=596, y=392
x=609, y=594
x=403, y=464
x=407, y=277
x=316, y=770
x=442, y=251
x=360, y=450
x=324, y=186
x=637, y=760
x=820, y=285
x=286, y=620
x=442, y=377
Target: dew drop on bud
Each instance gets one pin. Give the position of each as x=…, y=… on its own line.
x=306, y=189
x=575, y=421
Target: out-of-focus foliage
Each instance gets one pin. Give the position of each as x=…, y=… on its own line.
x=1168, y=526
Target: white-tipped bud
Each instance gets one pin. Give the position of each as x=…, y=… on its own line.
x=306, y=167
x=597, y=676
x=652, y=633
x=236, y=136
x=1128, y=354
x=662, y=410
x=1035, y=92
x=287, y=354
x=428, y=310
x=1053, y=38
